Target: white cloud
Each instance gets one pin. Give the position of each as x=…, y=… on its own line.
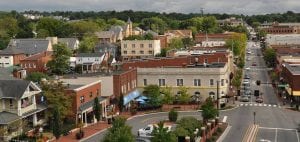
x=184, y=6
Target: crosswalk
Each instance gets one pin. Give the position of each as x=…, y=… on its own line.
x=258, y=105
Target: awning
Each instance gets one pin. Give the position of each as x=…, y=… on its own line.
x=131, y=96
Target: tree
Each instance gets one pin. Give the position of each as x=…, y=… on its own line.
x=115, y=22
x=36, y=76
x=52, y=26
x=168, y=98
x=97, y=109
x=60, y=59
x=80, y=28
x=270, y=57
x=209, y=24
x=161, y=134
x=56, y=98
x=238, y=43
x=186, y=126
x=87, y=45
x=121, y=103
x=208, y=110
x=42, y=33
x=57, y=125
x=148, y=36
x=153, y=93
x=176, y=43
x=173, y=115
x=119, y=132
x=184, y=96
x=187, y=42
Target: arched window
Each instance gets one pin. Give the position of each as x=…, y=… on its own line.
x=212, y=95
x=196, y=97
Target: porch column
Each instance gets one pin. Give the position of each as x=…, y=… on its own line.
x=85, y=117
x=34, y=120
x=104, y=109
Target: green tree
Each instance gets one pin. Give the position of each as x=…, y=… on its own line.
x=60, y=59
x=187, y=42
x=238, y=43
x=9, y=25
x=148, y=36
x=209, y=24
x=57, y=124
x=53, y=26
x=87, y=45
x=208, y=110
x=155, y=24
x=56, y=98
x=81, y=28
x=115, y=22
x=36, y=76
x=184, y=96
x=270, y=57
x=173, y=115
x=153, y=93
x=119, y=132
x=161, y=134
x=186, y=126
x=97, y=109
x=176, y=43
x=42, y=33
x=168, y=98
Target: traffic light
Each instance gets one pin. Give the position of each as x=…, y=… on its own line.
x=258, y=82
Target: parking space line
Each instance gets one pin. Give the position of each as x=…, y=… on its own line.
x=297, y=135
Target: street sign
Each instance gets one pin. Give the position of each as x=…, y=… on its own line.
x=283, y=85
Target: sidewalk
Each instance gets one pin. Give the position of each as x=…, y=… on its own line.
x=88, y=131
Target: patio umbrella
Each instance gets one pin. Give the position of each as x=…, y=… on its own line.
x=140, y=100
x=143, y=97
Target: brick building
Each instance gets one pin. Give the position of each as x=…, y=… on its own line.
x=281, y=28
x=200, y=37
x=291, y=75
x=11, y=56
x=37, y=62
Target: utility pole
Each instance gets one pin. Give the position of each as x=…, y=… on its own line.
x=218, y=96
x=202, y=11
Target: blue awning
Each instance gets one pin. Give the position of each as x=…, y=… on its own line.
x=131, y=96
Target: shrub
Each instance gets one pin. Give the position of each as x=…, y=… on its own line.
x=173, y=115
x=79, y=135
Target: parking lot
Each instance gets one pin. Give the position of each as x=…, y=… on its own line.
x=277, y=135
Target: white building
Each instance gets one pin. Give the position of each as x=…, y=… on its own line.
x=282, y=39
x=136, y=49
x=90, y=62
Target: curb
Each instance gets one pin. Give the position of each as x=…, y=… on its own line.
x=94, y=134
x=224, y=134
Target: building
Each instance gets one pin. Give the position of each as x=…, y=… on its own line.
x=280, y=28
x=282, y=40
x=201, y=37
x=199, y=74
x=31, y=46
x=83, y=91
x=10, y=57
x=71, y=43
x=180, y=33
x=90, y=62
x=18, y=104
x=106, y=36
x=137, y=49
x=37, y=62
x=232, y=21
x=291, y=75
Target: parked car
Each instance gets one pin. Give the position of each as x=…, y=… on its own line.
x=147, y=131
x=259, y=100
x=244, y=99
x=246, y=76
x=248, y=68
x=253, y=64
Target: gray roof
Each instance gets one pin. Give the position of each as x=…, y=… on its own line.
x=13, y=88
x=91, y=103
x=11, y=51
x=30, y=46
x=5, y=74
x=105, y=34
x=89, y=54
x=70, y=42
x=7, y=117
x=293, y=68
x=116, y=29
x=151, y=32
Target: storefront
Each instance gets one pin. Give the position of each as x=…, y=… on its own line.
x=130, y=97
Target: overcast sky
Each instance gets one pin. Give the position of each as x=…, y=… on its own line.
x=248, y=7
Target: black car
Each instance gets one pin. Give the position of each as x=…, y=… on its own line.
x=247, y=77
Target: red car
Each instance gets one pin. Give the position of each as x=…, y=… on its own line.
x=254, y=64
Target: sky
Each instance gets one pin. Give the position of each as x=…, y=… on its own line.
x=246, y=7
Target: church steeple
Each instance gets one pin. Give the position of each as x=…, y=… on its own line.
x=128, y=20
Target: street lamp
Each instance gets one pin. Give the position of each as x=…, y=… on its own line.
x=254, y=113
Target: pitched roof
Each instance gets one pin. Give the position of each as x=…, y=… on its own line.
x=105, y=34
x=38, y=56
x=30, y=46
x=90, y=55
x=70, y=42
x=11, y=51
x=7, y=117
x=13, y=88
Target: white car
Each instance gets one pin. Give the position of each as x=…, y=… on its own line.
x=248, y=68
x=147, y=131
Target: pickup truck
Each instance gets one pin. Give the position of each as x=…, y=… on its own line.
x=147, y=131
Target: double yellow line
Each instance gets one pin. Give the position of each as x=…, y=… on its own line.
x=251, y=133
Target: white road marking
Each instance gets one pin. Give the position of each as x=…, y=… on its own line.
x=270, y=105
x=241, y=104
x=224, y=119
x=297, y=135
x=274, y=105
x=275, y=135
x=246, y=104
x=270, y=128
x=265, y=104
x=250, y=104
x=255, y=104
x=260, y=104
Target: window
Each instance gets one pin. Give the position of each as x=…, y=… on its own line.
x=97, y=92
x=150, y=52
x=179, y=82
x=34, y=66
x=6, y=57
x=91, y=94
x=81, y=99
x=125, y=52
x=132, y=52
x=150, y=45
x=133, y=45
x=205, y=61
x=218, y=60
x=141, y=52
x=197, y=82
x=222, y=82
x=145, y=82
x=141, y=45
x=211, y=82
x=161, y=82
x=10, y=103
x=125, y=45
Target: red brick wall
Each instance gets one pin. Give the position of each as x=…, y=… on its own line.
x=163, y=41
x=84, y=92
x=280, y=30
x=293, y=80
x=177, y=61
x=39, y=62
x=18, y=57
x=123, y=79
x=202, y=37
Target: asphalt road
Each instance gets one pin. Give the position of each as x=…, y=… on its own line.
x=274, y=122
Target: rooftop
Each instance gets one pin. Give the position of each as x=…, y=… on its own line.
x=90, y=55
x=30, y=46
x=38, y=56
x=293, y=68
x=11, y=51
